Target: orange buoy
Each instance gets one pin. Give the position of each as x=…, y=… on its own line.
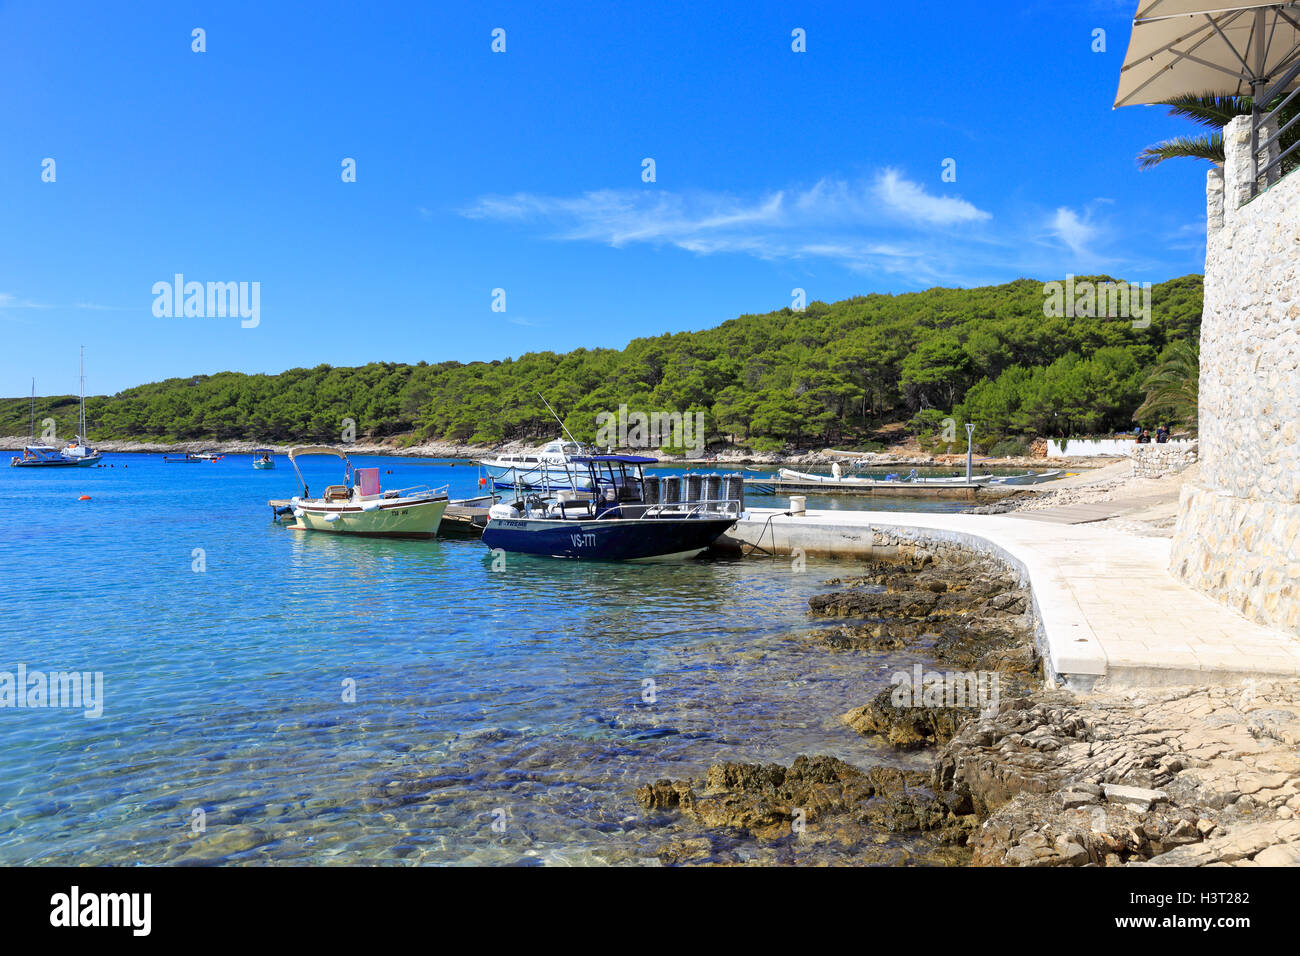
x=482, y=482
x=84, y=498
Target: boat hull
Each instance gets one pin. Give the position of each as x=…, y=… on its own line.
x=263, y=465
x=641, y=539
x=85, y=462
x=399, y=519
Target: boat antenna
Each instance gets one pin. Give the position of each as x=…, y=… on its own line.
x=557, y=418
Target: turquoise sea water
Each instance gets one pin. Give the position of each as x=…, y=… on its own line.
x=499, y=716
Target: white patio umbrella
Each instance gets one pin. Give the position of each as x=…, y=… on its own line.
x=1220, y=47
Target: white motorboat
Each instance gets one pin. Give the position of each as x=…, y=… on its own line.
x=549, y=469
x=359, y=506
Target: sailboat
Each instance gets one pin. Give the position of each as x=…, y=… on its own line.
x=80, y=451
x=77, y=454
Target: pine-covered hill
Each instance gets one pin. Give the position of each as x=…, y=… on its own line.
x=832, y=374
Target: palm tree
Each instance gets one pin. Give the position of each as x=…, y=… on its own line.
x=1173, y=386
x=1213, y=112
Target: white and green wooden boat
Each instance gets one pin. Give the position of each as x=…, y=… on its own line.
x=359, y=506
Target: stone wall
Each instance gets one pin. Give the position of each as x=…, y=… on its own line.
x=1156, y=461
x=1238, y=531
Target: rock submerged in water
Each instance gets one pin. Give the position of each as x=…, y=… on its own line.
x=815, y=799
x=905, y=727
x=978, y=616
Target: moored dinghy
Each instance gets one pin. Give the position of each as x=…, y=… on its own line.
x=360, y=506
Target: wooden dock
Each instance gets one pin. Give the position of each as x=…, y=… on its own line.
x=462, y=522
x=880, y=489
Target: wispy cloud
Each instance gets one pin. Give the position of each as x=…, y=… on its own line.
x=10, y=301
x=883, y=224
x=916, y=205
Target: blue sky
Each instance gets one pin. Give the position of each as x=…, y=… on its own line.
x=522, y=171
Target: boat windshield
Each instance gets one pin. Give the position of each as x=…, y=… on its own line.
x=615, y=479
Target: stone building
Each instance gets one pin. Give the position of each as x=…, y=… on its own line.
x=1238, y=531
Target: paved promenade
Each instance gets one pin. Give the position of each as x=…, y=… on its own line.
x=1107, y=604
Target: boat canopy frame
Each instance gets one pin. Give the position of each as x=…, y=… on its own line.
x=301, y=450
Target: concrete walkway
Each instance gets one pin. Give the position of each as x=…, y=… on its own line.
x=1107, y=605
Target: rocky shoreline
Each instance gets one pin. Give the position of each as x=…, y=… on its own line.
x=721, y=457
x=1191, y=776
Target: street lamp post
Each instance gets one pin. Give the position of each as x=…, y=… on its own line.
x=970, y=432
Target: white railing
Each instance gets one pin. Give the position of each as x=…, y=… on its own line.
x=1269, y=158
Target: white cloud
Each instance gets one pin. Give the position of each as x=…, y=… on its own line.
x=1075, y=231
x=914, y=203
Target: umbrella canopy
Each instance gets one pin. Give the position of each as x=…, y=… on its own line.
x=1218, y=47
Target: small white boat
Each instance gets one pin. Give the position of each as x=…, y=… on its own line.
x=359, y=506
x=263, y=459
x=548, y=469
x=193, y=458
x=1028, y=478
x=912, y=479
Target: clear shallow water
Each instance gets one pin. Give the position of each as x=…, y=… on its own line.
x=513, y=697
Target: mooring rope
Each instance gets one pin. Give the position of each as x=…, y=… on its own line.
x=758, y=545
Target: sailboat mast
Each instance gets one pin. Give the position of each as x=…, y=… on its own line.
x=33, y=410
x=82, y=432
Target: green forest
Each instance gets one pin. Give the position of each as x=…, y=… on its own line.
x=846, y=374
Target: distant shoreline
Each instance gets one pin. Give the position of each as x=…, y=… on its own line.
x=723, y=458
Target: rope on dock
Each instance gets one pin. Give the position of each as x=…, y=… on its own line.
x=758, y=545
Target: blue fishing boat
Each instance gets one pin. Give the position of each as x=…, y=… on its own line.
x=263, y=459
x=612, y=512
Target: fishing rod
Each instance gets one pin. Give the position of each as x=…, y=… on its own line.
x=571, y=473
x=557, y=418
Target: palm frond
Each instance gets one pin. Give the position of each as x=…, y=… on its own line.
x=1173, y=386
x=1209, y=110
x=1183, y=147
